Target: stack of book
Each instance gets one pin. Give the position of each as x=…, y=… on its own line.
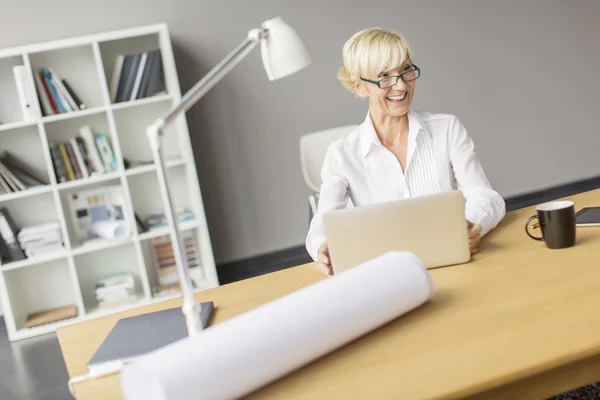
x=136, y=76
x=16, y=175
x=168, y=279
x=40, y=239
x=55, y=94
x=115, y=290
x=83, y=156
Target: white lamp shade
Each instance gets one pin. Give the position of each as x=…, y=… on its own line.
x=283, y=52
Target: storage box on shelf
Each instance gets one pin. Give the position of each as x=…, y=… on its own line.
x=112, y=85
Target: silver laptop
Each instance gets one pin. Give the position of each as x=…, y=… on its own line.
x=433, y=227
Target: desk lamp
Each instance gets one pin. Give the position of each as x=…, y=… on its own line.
x=283, y=53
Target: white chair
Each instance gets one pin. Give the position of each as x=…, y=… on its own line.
x=313, y=147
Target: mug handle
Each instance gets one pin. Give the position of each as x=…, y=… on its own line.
x=527, y=228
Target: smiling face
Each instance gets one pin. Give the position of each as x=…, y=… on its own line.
x=393, y=101
x=375, y=54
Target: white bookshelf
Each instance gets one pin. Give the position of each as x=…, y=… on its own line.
x=68, y=277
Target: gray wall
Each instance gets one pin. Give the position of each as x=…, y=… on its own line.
x=522, y=76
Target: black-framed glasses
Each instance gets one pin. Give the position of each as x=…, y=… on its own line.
x=390, y=81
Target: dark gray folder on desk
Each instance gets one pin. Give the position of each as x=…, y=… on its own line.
x=135, y=336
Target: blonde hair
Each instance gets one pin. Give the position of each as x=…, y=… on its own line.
x=370, y=52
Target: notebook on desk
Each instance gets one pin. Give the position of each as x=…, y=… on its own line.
x=588, y=216
x=135, y=336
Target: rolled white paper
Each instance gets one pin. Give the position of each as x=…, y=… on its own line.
x=110, y=229
x=244, y=353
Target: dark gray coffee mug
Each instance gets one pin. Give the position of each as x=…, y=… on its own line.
x=557, y=221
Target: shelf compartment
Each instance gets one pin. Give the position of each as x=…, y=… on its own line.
x=157, y=251
x=62, y=131
x=91, y=267
x=45, y=286
x=131, y=124
x=146, y=197
x=111, y=49
x=77, y=66
x=89, y=207
x=10, y=108
x=26, y=146
x=32, y=210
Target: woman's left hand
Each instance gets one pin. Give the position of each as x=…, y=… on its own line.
x=474, y=236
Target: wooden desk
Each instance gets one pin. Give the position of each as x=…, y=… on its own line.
x=518, y=322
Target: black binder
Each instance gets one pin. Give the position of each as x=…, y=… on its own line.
x=9, y=231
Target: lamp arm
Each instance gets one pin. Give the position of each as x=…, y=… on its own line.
x=216, y=74
x=190, y=307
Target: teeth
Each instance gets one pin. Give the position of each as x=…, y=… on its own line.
x=397, y=97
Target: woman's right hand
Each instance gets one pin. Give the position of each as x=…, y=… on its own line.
x=324, y=260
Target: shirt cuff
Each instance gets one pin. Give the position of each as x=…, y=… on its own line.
x=313, y=242
x=481, y=217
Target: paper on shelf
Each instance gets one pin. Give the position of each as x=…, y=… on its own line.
x=112, y=230
x=244, y=353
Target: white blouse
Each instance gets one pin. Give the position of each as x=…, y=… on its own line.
x=440, y=157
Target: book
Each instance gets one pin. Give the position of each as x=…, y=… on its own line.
x=73, y=160
x=155, y=81
x=53, y=103
x=138, y=77
x=64, y=95
x=16, y=182
x=127, y=61
x=25, y=92
x=131, y=73
x=11, y=160
x=59, y=168
x=79, y=158
x=90, y=143
x=84, y=155
x=27, y=180
x=71, y=92
x=114, y=82
x=107, y=148
x=43, y=96
x=65, y=160
x=6, y=188
x=53, y=91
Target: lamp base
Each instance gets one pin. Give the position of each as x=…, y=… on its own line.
x=135, y=336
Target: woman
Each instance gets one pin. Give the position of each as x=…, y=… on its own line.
x=398, y=153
